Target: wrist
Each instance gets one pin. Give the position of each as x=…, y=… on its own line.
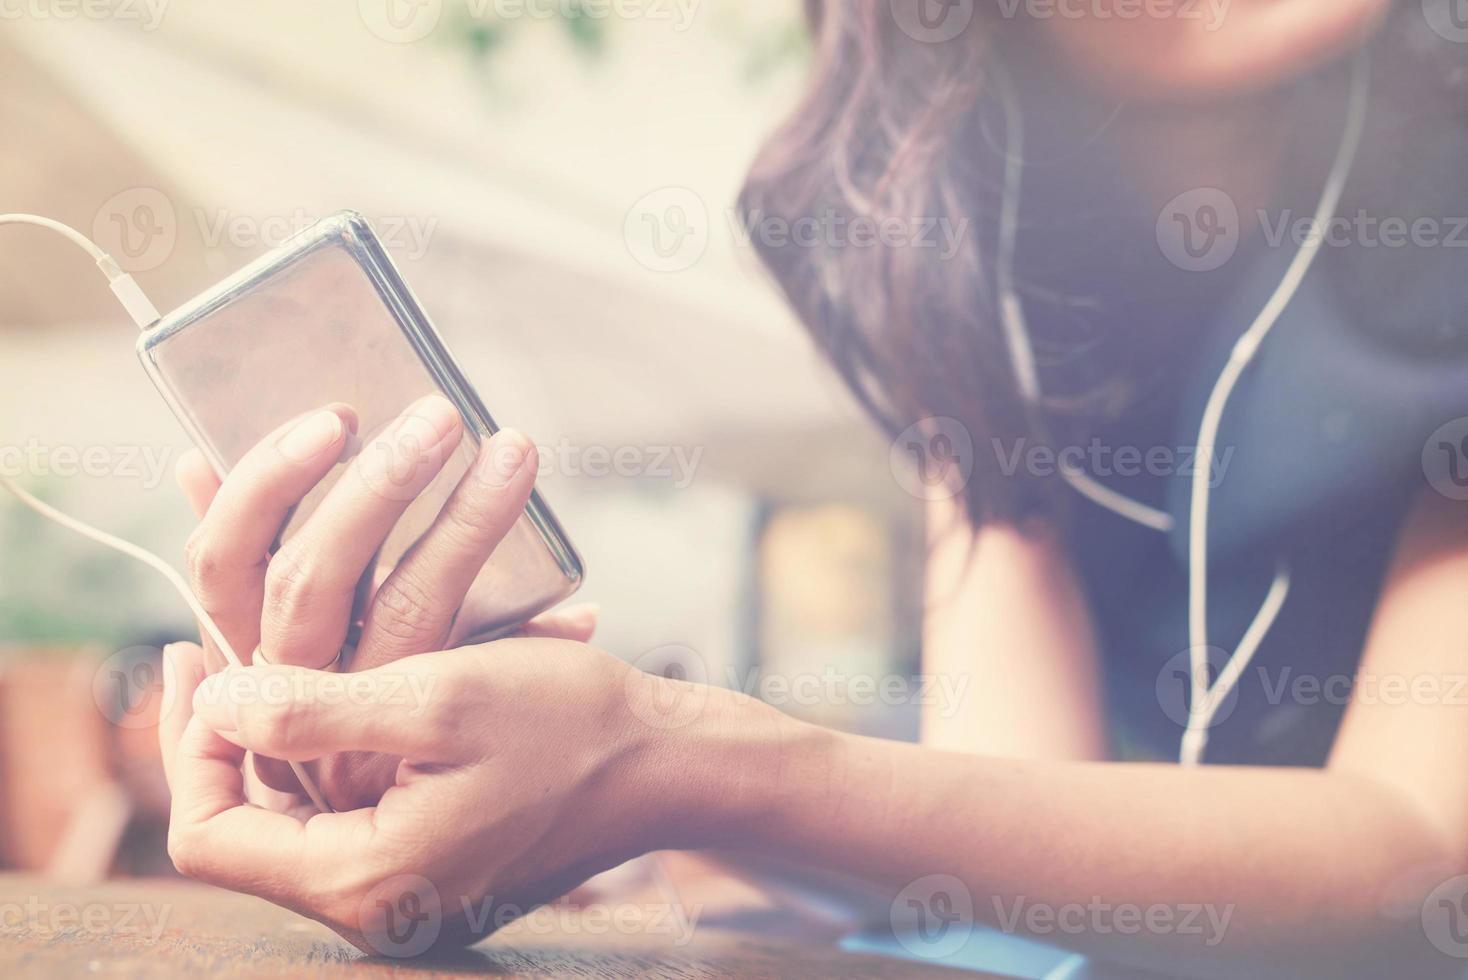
x=723, y=769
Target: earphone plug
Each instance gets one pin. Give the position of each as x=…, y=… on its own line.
x=129, y=293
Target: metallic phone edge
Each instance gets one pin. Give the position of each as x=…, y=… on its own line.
x=352, y=230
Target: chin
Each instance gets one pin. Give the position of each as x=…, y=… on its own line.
x=1217, y=49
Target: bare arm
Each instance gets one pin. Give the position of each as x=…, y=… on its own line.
x=1302, y=863
x=589, y=762
x=1008, y=625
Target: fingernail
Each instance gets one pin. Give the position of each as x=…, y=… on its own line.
x=347, y=413
x=312, y=437
x=214, y=706
x=503, y=456
x=432, y=420
x=352, y=448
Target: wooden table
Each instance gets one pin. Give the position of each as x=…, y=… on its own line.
x=152, y=929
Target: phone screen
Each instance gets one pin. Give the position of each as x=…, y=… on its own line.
x=323, y=321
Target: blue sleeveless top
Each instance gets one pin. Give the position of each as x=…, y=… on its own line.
x=1322, y=446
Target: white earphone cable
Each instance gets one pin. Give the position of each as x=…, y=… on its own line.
x=1205, y=701
x=1205, y=698
x=144, y=315
x=1016, y=330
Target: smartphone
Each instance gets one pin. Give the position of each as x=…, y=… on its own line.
x=328, y=318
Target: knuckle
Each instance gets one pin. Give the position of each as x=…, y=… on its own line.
x=477, y=519
x=291, y=583
x=404, y=610
x=273, y=725
x=202, y=560
x=183, y=851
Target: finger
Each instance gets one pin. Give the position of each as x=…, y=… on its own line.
x=312, y=581
x=405, y=709
x=198, y=481
x=228, y=551
x=200, y=484
x=414, y=609
x=215, y=836
x=183, y=670
x=576, y=622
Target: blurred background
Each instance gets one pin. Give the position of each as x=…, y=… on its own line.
x=556, y=178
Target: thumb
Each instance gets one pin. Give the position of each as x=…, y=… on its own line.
x=296, y=714
x=183, y=671
x=568, y=623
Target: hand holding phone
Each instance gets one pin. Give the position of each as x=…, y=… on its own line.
x=294, y=607
x=360, y=504
x=327, y=319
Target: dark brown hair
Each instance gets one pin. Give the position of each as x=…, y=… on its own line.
x=886, y=131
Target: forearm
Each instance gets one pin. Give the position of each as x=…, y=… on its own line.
x=1294, y=867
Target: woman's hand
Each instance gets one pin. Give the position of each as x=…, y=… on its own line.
x=529, y=765
x=295, y=607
